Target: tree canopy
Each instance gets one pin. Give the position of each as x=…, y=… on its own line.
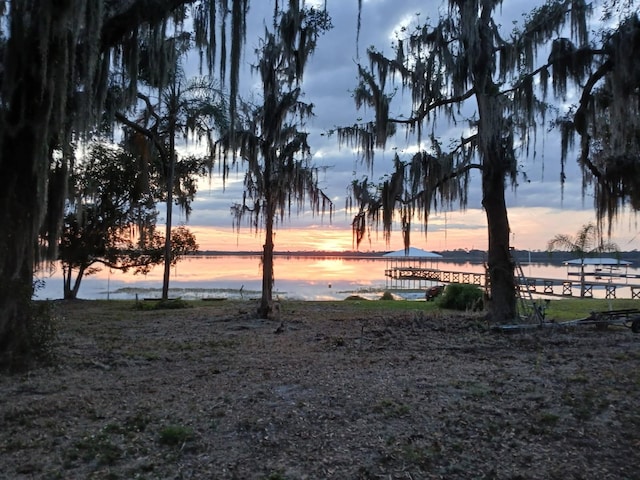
x=191, y=110
x=586, y=242
x=606, y=119
x=464, y=70
x=59, y=64
x=111, y=220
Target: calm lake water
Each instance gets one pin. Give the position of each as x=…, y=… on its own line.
x=296, y=277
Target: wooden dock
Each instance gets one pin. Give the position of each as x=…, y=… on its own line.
x=423, y=277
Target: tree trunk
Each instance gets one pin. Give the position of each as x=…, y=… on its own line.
x=170, y=178
x=71, y=293
x=167, y=245
x=24, y=172
x=501, y=304
x=17, y=245
x=67, y=272
x=266, y=301
x=496, y=165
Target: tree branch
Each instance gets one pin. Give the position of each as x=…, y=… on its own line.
x=144, y=131
x=423, y=110
x=535, y=72
x=150, y=108
x=124, y=19
x=450, y=176
x=580, y=117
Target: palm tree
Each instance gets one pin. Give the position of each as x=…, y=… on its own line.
x=587, y=241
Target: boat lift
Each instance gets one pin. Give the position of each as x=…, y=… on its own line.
x=629, y=318
x=532, y=313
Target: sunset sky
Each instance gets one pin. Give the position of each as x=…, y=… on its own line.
x=538, y=210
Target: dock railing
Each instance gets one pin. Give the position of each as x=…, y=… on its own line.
x=413, y=277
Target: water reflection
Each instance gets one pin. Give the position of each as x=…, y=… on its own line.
x=233, y=276
x=306, y=278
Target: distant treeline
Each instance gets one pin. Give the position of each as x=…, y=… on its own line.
x=455, y=256
x=539, y=257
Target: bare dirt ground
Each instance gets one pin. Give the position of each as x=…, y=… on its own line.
x=211, y=392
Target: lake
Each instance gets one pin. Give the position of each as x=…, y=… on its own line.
x=296, y=277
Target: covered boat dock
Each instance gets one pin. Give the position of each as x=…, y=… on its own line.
x=411, y=268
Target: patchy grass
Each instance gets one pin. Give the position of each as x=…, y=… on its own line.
x=575, y=308
x=175, y=435
x=390, y=408
x=99, y=448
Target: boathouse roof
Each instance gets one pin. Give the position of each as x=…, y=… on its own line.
x=413, y=252
x=596, y=261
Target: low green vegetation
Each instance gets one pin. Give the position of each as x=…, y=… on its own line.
x=557, y=309
x=387, y=296
x=99, y=448
x=42, y=329
x=575, y=308
x=170, y=304
x=41, y=335
x=354, y=298
x=278, y=475
x=391, y=409
x=459, y=296
x=175, y=435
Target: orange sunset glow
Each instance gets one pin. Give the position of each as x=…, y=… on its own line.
x=531, y=229
x=324, y=272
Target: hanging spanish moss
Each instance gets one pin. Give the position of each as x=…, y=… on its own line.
x=608, y=124
x=271, y=140
x=64, y=64
x=462, y=63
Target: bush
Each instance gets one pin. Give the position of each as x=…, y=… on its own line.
x=458, y=296
x=354, y=298
x=387, y=296
x=171, y=304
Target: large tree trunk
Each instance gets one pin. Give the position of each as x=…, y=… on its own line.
x=24, y=171
x=501, y=304
x=19, y=212
x=496, y=165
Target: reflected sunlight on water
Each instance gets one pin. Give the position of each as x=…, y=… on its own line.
x=306, y=278
x=296, y=277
